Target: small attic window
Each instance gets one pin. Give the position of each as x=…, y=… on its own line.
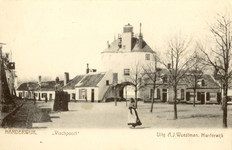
x=147, y=56
x=202, y=82
x=107, y=82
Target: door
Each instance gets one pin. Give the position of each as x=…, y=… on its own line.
x=92, y=95
x=50, y=97
x=164, y=95
x=202, y=98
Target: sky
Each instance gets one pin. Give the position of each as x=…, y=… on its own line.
x=49, y=38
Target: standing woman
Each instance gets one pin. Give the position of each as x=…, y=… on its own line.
x=133, y=118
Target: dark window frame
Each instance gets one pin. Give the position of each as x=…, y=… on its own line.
x=107, y=82
x=126, y=72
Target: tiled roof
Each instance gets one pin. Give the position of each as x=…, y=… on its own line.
x=45, y=86
x=210, y=83
x=114, y=48
x=71, y=84
x=28, y=86
x=51, y=85
x=91, y=80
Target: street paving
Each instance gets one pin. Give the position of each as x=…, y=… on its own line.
x=108, y=116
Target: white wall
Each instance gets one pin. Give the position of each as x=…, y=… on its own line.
x=123, y=60
x=96, y=92
x=72, y=92
x=102, y=84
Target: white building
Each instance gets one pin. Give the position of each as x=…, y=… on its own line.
x=124, y=53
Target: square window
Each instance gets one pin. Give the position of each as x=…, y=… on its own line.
x=126, y=72
x=147, y=56
x=124, y=47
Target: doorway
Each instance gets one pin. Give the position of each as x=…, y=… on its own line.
x=202, y=98
x=164, y=95
x=92, y=95
x=50, y=97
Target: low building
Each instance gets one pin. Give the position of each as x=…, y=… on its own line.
x=93, y=86
x=70, y=87
x=208, y=91
x=27, y=90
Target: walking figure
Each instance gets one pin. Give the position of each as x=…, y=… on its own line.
x=133, y=118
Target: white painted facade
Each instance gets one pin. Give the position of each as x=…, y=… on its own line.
x=117, y=62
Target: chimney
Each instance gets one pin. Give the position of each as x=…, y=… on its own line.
x=66, y=78
x=39, y=79
x=57, y=80
x=119, y=41
x=108, y=45
x=140, y=38
x=87, y=70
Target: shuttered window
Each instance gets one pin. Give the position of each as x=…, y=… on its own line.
x=187, y=96
x=182, y=94
x=198, y=96
x=115, y=77
x=158, y=93
x=207, y=96
x=151, y=92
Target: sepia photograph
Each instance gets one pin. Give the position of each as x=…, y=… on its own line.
x=116, y=75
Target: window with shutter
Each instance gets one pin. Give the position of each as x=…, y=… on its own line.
x=115, y=77
x=198, y=96
x=182, y=94
x=79, y=93
x=151, y=92
x=158, y=93
x=187, y=96
x=207, y=96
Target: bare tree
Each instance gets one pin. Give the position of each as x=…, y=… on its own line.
x=219, y=56
x=192, y=77
x=134, y=76
x=179, y=56
x=153, y=73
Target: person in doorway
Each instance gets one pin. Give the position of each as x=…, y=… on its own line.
x=86, y=99
x=133, y=118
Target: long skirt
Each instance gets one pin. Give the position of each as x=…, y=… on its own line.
x=133, y=118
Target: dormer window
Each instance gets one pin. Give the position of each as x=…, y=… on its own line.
x=202, y=82
x=165, y=79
